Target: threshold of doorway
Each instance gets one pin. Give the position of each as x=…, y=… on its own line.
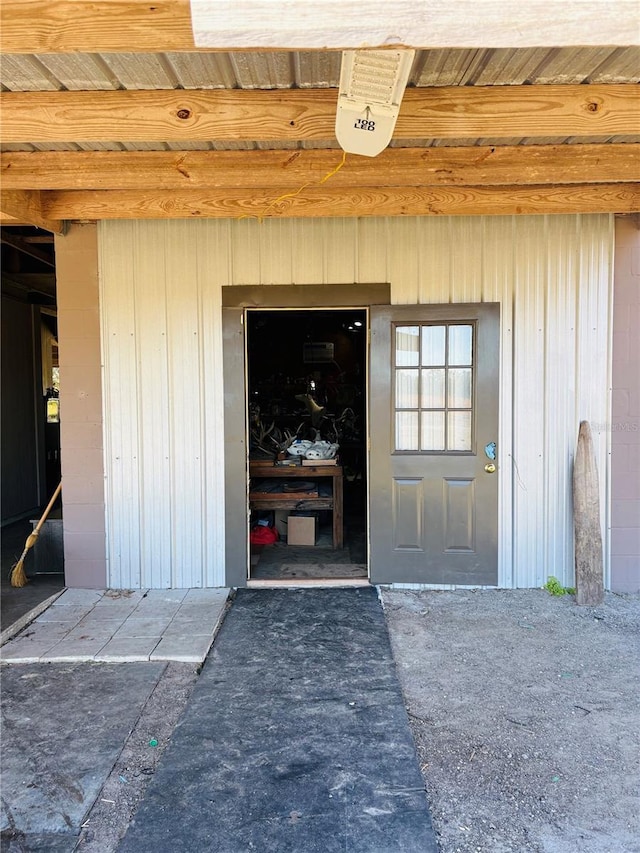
x=289, y=583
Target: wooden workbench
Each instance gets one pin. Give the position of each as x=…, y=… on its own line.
x=284, y=500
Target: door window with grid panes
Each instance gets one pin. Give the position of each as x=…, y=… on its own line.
x=434, y=386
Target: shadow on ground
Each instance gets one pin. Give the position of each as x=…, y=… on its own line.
x=16, y=602
x=64, y=726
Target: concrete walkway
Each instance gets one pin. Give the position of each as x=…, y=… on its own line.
x=63, y=727
x=113, y=626
x=296, y=738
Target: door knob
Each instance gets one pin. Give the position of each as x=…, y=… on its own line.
x=490, y=468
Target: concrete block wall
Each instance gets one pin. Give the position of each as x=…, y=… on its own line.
x=81, y=407
x=625, y=410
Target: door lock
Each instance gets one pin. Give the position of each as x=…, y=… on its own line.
x=490, y=468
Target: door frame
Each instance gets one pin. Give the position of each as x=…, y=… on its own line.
x=235, y=299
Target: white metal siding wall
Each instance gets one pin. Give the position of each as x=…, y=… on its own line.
x=161, y=297
x=163, y=403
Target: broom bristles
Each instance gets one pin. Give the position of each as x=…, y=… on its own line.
x=18, y=574
x=18, y=577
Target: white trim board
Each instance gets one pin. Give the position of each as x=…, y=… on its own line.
x=341, y=24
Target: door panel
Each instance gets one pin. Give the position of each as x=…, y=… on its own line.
x=408, y=512
x=434, y=409
x=459, y=518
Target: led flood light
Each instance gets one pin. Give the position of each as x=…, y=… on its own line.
x=372, y=83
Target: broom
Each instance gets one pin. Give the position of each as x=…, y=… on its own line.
x=18, y=576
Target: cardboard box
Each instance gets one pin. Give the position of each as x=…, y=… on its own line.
x=301, y=530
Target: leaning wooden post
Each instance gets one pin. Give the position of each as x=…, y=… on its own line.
x=586, y=522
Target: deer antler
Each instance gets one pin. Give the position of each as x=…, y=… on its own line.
x=316, y=411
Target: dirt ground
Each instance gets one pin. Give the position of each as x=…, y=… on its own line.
x=525, y=710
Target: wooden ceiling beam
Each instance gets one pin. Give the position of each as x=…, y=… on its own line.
x=68, y=26
x=476, y=166
x=71, y=26
x=327, y=201
x=44, y=283
x=455, y=112
x=19, y=207
x=18, y=242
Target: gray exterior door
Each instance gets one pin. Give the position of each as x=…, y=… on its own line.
x=433, y=499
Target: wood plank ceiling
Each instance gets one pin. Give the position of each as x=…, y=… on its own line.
x=122, y=117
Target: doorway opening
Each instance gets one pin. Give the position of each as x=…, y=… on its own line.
x=30, y=418
x=307, y=432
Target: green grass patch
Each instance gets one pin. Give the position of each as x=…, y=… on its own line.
x=554, y=587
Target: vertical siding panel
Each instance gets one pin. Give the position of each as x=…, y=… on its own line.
x=372, y=236
x=590, y=304
x=560, y=372
x=605, y=281
x=434, y=247
x=497, y=280
x=276, y=251
x=404, y=261
x=153, y=408
x=245, y=251
x=466, y=245
x=213, y=257
x=268, y=249
x=307, y=266
x=497, y=258
x=340, y=248
x=186, y=444
x=121, y=408
x=529, y=283
x=594, y=348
